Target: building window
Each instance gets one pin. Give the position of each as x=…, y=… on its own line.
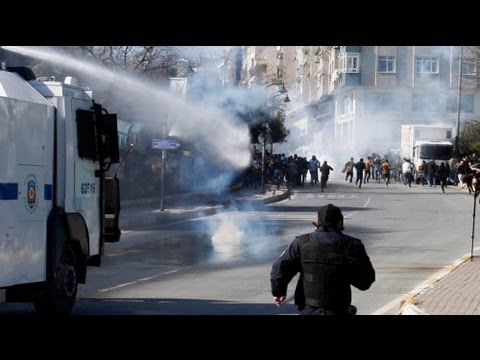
x=386, y=64
x=426, y=65
x=350, y=62
x=466, y=103
x=425, y=102
x=346, y=104
x=384, y=102
x=469, y=66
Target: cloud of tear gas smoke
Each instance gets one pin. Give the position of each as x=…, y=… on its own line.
x=405, y=97
x=243, y=235
x=410, y=98
x=225, y=139
x=320, y=143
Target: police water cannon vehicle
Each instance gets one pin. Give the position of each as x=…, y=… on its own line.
x=58, y=206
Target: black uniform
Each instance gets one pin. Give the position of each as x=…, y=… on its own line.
x=325, y=171
x=328, y=263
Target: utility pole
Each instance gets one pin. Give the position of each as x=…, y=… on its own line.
x=263, y=157
x=459, y=103
x=162, y=173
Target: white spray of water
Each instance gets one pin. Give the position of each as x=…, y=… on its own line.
x=223, y=137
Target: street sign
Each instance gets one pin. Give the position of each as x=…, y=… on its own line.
x=268, y=139
x=165, y=144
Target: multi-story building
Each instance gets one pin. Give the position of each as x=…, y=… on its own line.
x=311, y=119
x=267, y=66
x=379, y=88
x=353, y=99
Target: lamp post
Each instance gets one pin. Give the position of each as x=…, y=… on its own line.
x=286, y=99
x=459, y=93
x=281, y=91
x=274, y=105
x=266, y=132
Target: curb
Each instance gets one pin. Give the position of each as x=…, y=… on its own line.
x=411, y=309
x=163, y=217
x=409, y=304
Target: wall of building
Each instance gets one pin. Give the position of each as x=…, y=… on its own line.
x=368, y=106
x=384, y=101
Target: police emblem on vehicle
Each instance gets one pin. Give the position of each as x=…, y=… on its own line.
x=31, y=198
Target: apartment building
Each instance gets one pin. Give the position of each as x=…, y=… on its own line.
x=352, y=100
x=379, y=88
x=304, y=71
x=277, y=68
x=312, y=111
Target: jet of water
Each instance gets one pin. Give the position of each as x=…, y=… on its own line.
x=220, y=134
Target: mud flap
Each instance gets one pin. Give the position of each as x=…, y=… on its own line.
x=112, y=210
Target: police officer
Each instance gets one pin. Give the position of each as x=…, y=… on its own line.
x=328, y=262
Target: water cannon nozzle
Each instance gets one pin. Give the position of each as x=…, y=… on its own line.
x=121, y=162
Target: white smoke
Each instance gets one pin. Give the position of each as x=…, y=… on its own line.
x=224, y=137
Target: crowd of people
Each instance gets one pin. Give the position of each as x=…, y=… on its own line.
x=291, y=170
x=465, y=172
x=294, y=171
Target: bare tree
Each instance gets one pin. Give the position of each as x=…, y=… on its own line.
x=153, y=60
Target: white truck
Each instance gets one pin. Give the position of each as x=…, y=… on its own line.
x=426, y=142
x=57, y=205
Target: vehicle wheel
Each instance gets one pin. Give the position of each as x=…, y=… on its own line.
x=61, y=293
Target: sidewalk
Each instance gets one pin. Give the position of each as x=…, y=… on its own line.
x=138, y=213
x=455, y=290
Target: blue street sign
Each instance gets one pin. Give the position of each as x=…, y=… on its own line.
x=165, y=144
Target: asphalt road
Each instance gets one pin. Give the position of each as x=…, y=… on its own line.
x=220, y=264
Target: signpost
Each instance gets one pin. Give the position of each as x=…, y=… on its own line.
x=179, y=86
x=164, y=144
